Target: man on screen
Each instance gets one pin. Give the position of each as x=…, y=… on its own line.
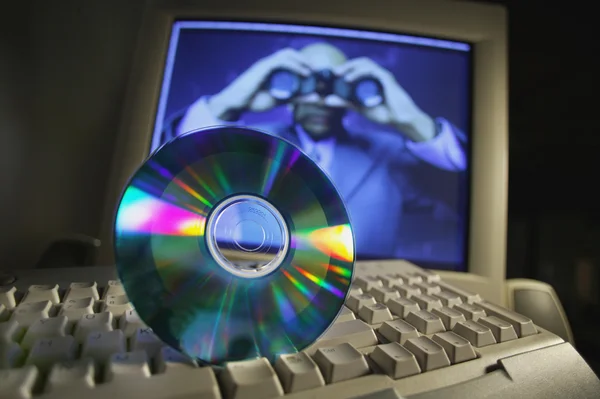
x=357, y=162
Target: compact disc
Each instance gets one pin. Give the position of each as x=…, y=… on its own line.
x=232, y=244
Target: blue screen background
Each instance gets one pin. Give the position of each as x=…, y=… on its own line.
x=433, y=228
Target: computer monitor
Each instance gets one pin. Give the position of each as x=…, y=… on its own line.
x=387, y=116
x=403, y=104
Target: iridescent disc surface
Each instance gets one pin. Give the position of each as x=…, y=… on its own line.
x=232, y=244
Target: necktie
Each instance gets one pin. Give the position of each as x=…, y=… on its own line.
x=314, y=155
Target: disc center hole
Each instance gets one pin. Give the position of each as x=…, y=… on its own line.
x=247, y=236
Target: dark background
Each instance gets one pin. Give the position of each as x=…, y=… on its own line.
x=63, y=72
x=554, y=172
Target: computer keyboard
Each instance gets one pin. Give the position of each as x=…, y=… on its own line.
x=404, y=332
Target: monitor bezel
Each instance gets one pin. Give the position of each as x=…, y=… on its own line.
x=481, y=25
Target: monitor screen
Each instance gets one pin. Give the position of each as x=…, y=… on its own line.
x=386, y=116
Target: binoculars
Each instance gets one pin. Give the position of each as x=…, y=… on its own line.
x=284, y=85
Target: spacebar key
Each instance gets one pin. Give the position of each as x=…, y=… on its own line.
x=185, y=382
x=355, y=332
x=376, y=385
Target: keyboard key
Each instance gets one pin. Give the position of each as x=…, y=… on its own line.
x=355, y=302
x=47, y=351
x=457, y=348
x=345, y=315
x=395, y=360
x=411, y=278
x=186, y=382
x=449, y=316
x=340, y=363
x=7, y=297
x=402, y=306
x=355, y=291
x=465, y=295
x=117, y=304
x=391, y=280
x=45, y=328
x=130, y=322
x=375, y=314
x=67, y=376
x=98, y=322
x=113, y=288
x=355, y=332
x=427, y=275
x=250, y=379
x=169, y=358
x=4, y=313
x=82, y=290
x=37, y=293
x=428, y=288
x=101, y=345
x=407, y=291
x=298, y=372
x=448, y=299
x=366, y=283
x=426, y=322
x=129, y=366
x=477, y=334
x=18, y=383
x=11, y=331
x=384, y=294
x=74, y=309
x=429, y=355
x=503, y=331
x=398, y=331
x=426, y=302
x=145, y=340
x=11, y=355
x=28, y=313
x=523, y=325
x=471, y=312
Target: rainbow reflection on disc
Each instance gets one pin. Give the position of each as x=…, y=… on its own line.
x=232, y=244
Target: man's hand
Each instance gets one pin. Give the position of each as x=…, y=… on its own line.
x=398, y=109
x=246, y=92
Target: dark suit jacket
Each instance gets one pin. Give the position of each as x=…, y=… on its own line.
x=373, y=178
x=360, y=173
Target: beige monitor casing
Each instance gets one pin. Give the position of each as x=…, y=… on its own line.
x=483, y=25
